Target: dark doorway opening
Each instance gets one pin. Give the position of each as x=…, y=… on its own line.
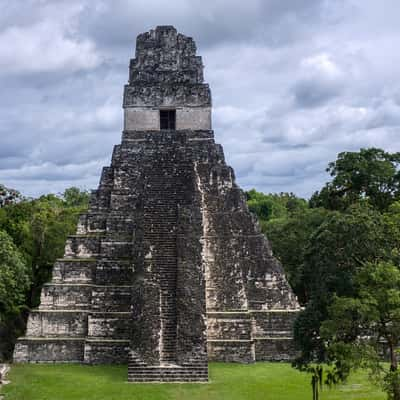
x=167, y=119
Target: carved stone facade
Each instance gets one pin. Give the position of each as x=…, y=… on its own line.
x=168, y=268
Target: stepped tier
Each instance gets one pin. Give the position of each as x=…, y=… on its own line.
x=248, y=336
x=168, y=267
x=191, y=224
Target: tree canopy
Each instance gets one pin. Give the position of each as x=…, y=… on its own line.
x=15, y=281
x=336, y=250
x=34, y=232
x=39, y=228
x=366, y=325
x=14, y=277
x=370, y=174
x=341, y=254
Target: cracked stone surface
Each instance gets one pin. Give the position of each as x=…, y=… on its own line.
x=168, y=268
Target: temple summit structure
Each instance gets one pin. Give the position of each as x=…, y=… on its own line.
x=168, y=268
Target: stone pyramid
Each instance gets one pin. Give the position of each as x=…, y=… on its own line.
x=168, y=268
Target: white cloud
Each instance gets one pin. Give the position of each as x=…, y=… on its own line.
x=48, y=41
x=321, y=64
x=293, y=84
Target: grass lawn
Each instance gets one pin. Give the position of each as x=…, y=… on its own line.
x=265, y=381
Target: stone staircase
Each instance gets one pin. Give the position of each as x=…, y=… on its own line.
x=168, y=373
x=164, y=193
x=160, y=216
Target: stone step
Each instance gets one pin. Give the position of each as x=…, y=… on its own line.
x=161, y=375
x=162, y=372
x=165, y=371
x=134, y=379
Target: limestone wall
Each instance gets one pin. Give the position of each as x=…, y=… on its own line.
x=148, y=119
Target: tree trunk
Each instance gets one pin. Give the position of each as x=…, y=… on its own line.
x=396, y=388
x=393, y=368
x=393, y=357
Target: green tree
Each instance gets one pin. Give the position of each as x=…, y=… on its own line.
x=287, y=221
x=14, y=284
x=273, y=206
x=290, y=239
x=50, y=224
x=39, y=228
x=74, y=197
x=14, y=277
x=363, y=327
x=370, y=174
x=337, y=249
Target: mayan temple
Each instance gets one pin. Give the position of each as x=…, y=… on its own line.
x=168, y=268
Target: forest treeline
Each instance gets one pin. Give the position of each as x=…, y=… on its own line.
x=340, y=250
x=32, y=236
x=341, y=253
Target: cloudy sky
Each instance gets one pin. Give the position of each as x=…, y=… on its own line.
x=294, y=82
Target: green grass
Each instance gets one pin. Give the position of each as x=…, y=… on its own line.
x=266, y=381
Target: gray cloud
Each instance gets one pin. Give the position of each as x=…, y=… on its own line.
x=212, y=22
x=309, y=93
x=293, y=82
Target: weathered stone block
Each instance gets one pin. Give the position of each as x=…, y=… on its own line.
x=114, y=272
x=57, y=324
x=91, y=223
x=114, y=249
x=229, y=326
x=106, y=351
x=49, y=350
x=273, y=323
x=123, y=202
x=82, y=246
x=231, y=350
x=187, y=95
x=65, y=297
x=74, y=271
x=111, y=298
x=121, y=224
x=99, y=200
x=275, y=349
x=112, y=325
